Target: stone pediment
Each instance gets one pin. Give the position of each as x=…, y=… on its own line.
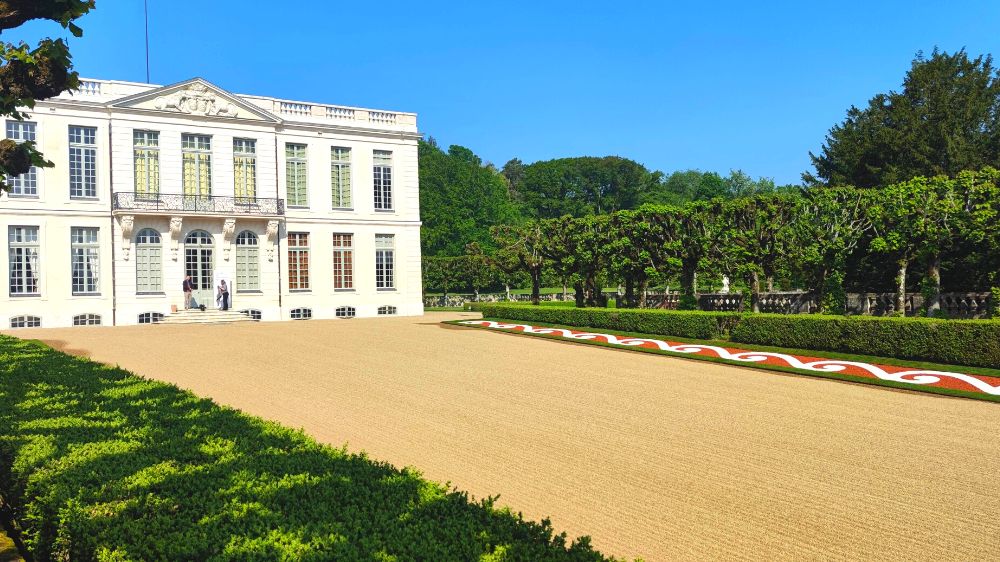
x=195, y=97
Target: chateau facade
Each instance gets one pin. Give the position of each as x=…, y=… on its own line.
x=305, y=210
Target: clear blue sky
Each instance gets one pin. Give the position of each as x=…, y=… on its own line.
x=714, y=86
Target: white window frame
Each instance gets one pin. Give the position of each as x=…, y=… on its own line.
x=25, y=321
x=148, y=262
x=382, y=180
x=343, y=261
x=146, y=162
x=82, y=162
x=150, y=317
x=301, y=313
x=299, y=251
x=85, y=260
x=196, y=162
x=385, y=262
x=297, y=174
x=341, y=178
x=387, y=310
x=345, y=312
x=24, y=277
x=26, y=184
x=245, y=170
x=87, y=319
x=247, y=262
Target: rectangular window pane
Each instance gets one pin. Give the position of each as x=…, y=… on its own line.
x=196, y=153
x=382, y=180
x=385, y=261
x=245, y=168
x=296, y=175
x=26, y=184
x=84, y=263
x=298, y=260
x=343, y=261
x=23, y=260
x=340, y=177
x=82, y=162
x=146, y=156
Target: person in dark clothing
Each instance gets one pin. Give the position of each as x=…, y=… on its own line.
x=224, y=293
x=188, y=288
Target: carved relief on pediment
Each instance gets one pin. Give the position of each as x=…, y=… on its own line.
x=197, y=99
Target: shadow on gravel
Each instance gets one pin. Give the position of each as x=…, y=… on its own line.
x=100, y=463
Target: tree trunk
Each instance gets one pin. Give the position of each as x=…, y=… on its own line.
x=591, y=290
x=643, y=284
x=933, y=303
x=754, y=282
x=475, y=294
x=770, y=283
x=565, y=294
x=901, y=289
x=578, y=293
x=629, y=292
x=689, y=296
x=506, y=290
x=536, y=285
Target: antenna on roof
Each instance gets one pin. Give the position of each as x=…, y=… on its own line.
x=145, y=12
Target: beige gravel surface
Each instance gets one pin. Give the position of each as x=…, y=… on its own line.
x=654, y=457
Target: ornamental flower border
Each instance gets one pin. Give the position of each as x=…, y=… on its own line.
x=900, y=377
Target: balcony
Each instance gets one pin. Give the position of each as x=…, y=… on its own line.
x=174, y=203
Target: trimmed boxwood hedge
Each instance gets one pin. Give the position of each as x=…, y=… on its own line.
x=688, y=324
x=955, y=342
x=99, y=464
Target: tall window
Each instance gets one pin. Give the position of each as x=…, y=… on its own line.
x=197, y=155
x=298, y=261
x=148, y=262
x=82, y=162
x=247, y=262
x=84, y=263
x=385, y=258
x=383, y=180
x=23, y=258
x=146, y=154
x=26, y=184
x=340, y=177
x=343, y=261
x=245, y=168
x=296, y=183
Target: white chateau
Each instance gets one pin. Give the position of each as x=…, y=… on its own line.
x=305, y=210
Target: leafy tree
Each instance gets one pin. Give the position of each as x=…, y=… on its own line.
x=460, y=199
x=686, y=185
x=583, y=186
x=518, y=249
x=633, y=253
x=690, y=233
x=442, y=273
x=913, y=221
x=755, y=234
x=832, y=224
x=28, y=74
x=945, y=120
x=739, y=184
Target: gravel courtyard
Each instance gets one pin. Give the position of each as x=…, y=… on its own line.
x=655, y=457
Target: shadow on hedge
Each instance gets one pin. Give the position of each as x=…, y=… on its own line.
x=102, y=464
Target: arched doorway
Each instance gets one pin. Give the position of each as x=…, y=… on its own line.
x=198, y=263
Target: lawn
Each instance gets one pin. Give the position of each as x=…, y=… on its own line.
x=99, y=463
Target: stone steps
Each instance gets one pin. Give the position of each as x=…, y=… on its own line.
x=209, y=316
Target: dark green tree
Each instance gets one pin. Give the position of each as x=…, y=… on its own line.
x=34, y=73
x=946, y=119
x=583, y=186
x=460, y=199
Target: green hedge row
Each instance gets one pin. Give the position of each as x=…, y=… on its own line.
x=689, y=324
x=99, y=464
x=957, y=342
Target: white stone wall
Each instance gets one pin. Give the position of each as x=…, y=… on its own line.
x=104, y=105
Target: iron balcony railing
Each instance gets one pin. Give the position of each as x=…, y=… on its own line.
x=217, y=205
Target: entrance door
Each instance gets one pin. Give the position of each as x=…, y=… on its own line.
x=198, y=263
